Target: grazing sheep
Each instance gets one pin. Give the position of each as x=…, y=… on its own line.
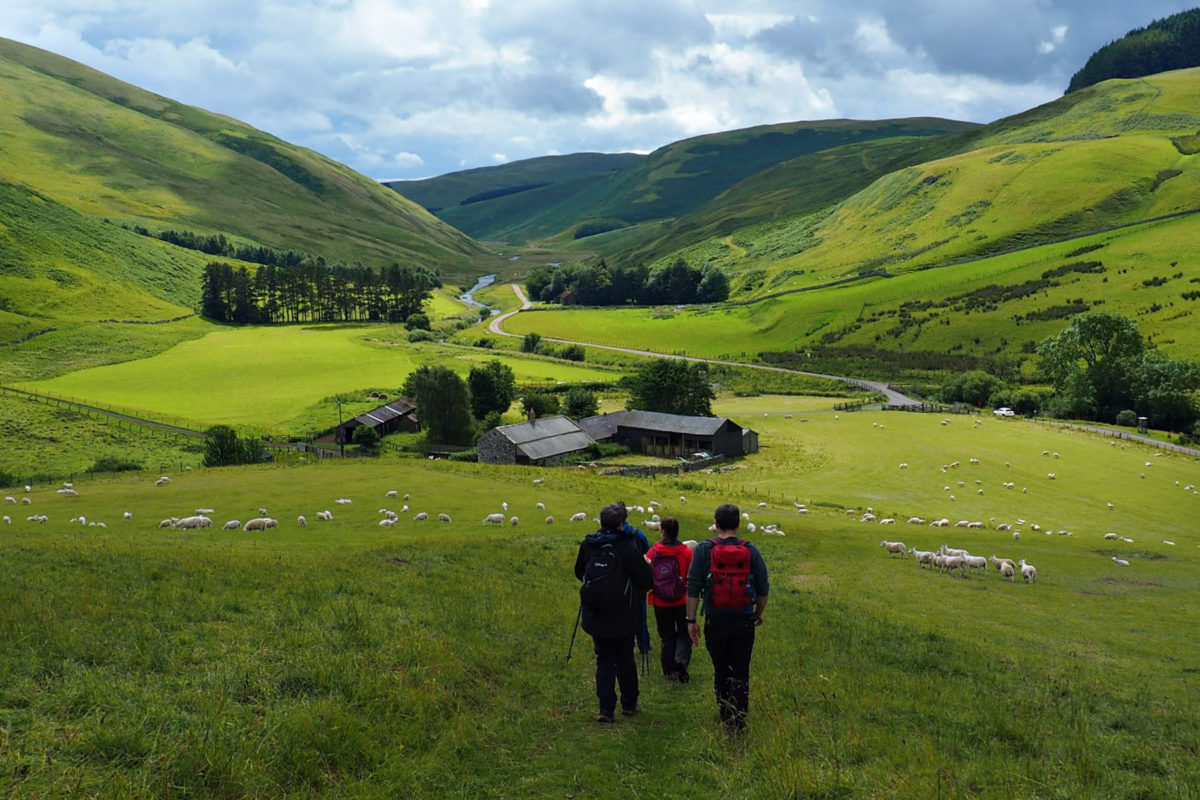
x=167, y=523
x=867, y=517
x=887, y=521
x=7, y=519
x=1120, y=562
x=946, y=563
x=976, y=562
x=682, y=500
x=652, y=525
x=262, y=512
x=923, y=557
x=762, y=505
x=538, y=480
x=751, y=527
x=975, y=526
x=962, y=523
x=940, y=523
x=128, y=515
x=915, y=521
x=894, y=548
x=387, y=522
x=947, y=550
x=421, y=517
x=392, y=493
x=541, y=506
x=1016, y=536
x=232, y=525
x=493, y=519
x=1168, y=541
x=550, y=520
x=163, y=481
x=1028, y=571
x=1007, y=570
x=514, y=520
x=579, y=517
x=194, y=522
x=68, y=492
x=325, y=516
x=443, y=518
x=1111, y=536
x=10, y=499
x=903, y=465
x=1050, y=476
x=260, y=524
x=343, y=501
x=404, y=510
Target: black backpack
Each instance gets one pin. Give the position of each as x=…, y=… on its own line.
x=605, y=584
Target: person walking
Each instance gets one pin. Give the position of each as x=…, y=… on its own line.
x=669, y=562
x=732, y=576
x=615, y=577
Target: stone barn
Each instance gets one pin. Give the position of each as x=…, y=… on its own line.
x=537, y=442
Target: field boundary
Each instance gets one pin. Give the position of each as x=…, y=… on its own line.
x=49, y=399
x=1118, y=434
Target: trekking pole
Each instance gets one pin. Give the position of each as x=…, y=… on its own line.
x=577, y=618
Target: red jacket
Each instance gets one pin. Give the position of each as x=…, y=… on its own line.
x=683, y=554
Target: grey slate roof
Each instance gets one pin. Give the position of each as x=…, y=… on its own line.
x=378, y=416
x=546, y=438
x=602, y=426
x=673, y=423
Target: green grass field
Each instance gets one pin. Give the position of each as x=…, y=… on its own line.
x=427, y=660
x=264, y=377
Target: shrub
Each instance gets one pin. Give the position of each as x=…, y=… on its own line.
x=1127, y=418
x=485, y=343
x=531, y=343
x=114, y=464
x=417, y=321
x=366, y=437
x=573, y=352
x=420, y=335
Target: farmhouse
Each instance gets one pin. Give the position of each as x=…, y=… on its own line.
x=669, y=435
x=537, y=442
x=398, y=415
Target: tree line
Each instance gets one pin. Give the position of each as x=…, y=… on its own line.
x=1165, y=44
x=601, y=285
x=215, y=244
x=312, y=291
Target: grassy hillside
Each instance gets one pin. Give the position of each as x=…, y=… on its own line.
x=344, y=659
x=105, y=149
x=670, y=181
x=941, y=318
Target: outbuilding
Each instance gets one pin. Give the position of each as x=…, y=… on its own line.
x=398, y=415
x=676, y=435
x=536, y=442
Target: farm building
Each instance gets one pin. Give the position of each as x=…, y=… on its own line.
x=602, y=427
x=675, y=435
x=537, y=442
x=398, y=415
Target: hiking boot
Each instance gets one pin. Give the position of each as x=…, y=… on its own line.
x=681, y=674
x=631, y=711
x=605, y=717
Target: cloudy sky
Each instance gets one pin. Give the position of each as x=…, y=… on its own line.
x=414, y=88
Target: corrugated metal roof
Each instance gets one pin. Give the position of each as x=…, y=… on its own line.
x=378, y=416
x=673, y=423
x=602, y=426
x=535, y=429
x=559, y=445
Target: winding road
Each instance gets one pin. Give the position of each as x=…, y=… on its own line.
x=893, y=397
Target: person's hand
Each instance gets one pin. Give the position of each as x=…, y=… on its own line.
x=758, y=619
x=694, y=632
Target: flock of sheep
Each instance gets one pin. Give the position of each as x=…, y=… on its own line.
x=947, y=559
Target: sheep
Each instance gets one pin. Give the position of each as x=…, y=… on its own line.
x=493, y=519
x=1110, y=536
x=514, y=520
x=1016, y=536
x=232, y=525
x=128, y=515
x=1028, y=571
x=868, y=517
x=682, y=500
x=915, y=521
x=962, y=523
x=1007, y=570
x=387, y=522
x=343, y=501
x=444, y=518
x=579, y=517
x=975, y=526
x=406, y=495
x=541, y=506
x=7, y=519
x=996, y=562
x=1168, y=541
x=262, y=512
x=194, y=522
x=762, y=505
x=976, y=562
x=550, y=520
x=903, y=465
x=1050, y=476
x=68, y=492
x=163, y=481
x=28, y=488
x=421, y=517
x=25, y=501
x=538, y=480
x=946, y=563
x=940, y=523
x=260, y=524
x=652, y=525
x=751, y=527
x=167, y=523
x=10, y=499
x=404, y=509
x=504, y=505
x=325, y=516
x=745, y=515
x=923, y=557
x=947, y=550
x=392, y=493
x=1120, y=562
x=887, y=521
x=894, y=548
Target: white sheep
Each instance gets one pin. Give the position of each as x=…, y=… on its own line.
x=550, y=520
x=946, y=563
x=1028, y=571
x=514, y=520
x=7, y=519
x=343, y=501
x=260, y=524
x=887, y=521
x=10, y=499
x=421, y=517
x=325, y=516
x=1007, y=570
x=68, y=492
x=579, y=517
x=940, y=523
x=504, y=505
x=947, y=550
x=1120, y=562
x=915, y=521
x=976, y=562
x=751, y=527
x=1168, y=541
x=923, y=557
x=301, y=521
x=493, y=519
x=392, y=493
x=1111, y=536
x=232, y=525
x=194, y=522
x=903, y=465
x=167, y=523
x=387, y=522
x=163, y=481
x=539, y=480
x=1016, y=536
x=128, y=515
x=975, y=526
x=652, y=525
x=762, y=505
x=541, y=506
x=444, y=518
x=867, y=517
x=25, y=501
x=894, y=548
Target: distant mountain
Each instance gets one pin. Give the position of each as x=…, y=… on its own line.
x=84, y=157
x=565, y=197
x=1163, y=45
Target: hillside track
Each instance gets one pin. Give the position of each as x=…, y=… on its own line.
x=892, y=396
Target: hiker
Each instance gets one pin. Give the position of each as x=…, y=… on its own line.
x=615, y=579
x=669, y=561
x=733, y=577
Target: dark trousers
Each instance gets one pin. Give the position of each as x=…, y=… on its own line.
x=673, y=631
x=615, y=665
x=730, y=642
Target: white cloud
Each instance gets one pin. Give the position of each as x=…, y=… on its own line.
x=409, y=160
x=499, y=158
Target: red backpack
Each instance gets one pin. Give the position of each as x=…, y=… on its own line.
x=729, y=574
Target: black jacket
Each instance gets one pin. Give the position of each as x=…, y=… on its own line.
x=625, y=620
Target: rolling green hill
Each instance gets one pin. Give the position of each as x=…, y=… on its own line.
x=101, y=150
x=670, y=181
